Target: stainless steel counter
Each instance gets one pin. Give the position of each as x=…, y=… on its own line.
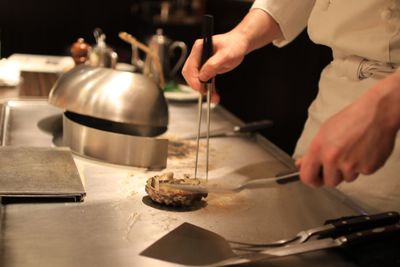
x=117, y=222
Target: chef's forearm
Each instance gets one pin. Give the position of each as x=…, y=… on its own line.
x=396, y=77
x=387, y=93
x=258, y=29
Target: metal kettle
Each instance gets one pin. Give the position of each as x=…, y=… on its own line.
x=101, y=55
x=164, y=47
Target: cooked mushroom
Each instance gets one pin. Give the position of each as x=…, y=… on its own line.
x=171, y=196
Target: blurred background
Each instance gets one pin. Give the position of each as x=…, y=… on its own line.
x=272, y=83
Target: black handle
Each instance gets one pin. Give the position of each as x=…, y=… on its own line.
x=368, y=221
x=360, y=222
x=288, y=180
x=208, y=31
x=378, y=233
x=253, y=126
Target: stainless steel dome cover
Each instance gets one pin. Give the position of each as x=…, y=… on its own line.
x=112, y=95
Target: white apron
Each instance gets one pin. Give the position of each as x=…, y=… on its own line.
x=364, y=36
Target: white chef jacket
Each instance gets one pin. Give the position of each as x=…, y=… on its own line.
x=365, y=39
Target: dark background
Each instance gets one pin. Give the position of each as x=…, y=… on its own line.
x=272, y=83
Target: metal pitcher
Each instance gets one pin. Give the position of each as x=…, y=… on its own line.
x=165, y=48
x=101, y=55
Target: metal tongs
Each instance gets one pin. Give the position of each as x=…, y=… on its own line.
x=340, y=232
x=208, y=26
x=332, y=228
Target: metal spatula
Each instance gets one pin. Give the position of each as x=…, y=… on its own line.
x=221, y=187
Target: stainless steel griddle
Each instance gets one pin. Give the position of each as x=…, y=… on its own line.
x=118, y=225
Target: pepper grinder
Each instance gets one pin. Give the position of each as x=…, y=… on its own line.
x=80, y=51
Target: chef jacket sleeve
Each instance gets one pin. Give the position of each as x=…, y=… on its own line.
x=291, y=15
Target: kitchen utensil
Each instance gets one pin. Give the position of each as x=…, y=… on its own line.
x=38, y=172
x=207, y=51
x=334, y=228
x=80, y=51
x=113, y=116
x=113, y=143
x=221, y=187
x=199, y=115
x=378, y=233
x=164, y=47
x=155, y=74
x=235, y=130
x=115, y=96
x=101, y=55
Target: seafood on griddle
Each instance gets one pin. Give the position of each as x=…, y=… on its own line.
x=159, y=191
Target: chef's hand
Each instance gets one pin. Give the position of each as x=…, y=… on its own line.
x=229, y=51
x=357, y=140
x=256, y=29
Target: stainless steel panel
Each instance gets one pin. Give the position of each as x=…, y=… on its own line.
x=29, y=122
x=39, y=172
x=117, y=221
x=34, y=122
x=137, y=151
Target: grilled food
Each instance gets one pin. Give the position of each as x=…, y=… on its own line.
x=158, y=190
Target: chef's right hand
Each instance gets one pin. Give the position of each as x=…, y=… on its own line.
x=357, y=140
x=229, y=50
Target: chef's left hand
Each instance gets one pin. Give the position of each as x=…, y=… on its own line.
x=357, y=140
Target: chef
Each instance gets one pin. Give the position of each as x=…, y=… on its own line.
x=351, y=137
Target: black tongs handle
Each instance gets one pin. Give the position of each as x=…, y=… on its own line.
x=376, y=220
x=208, y=31
x=358, y=223
x=374, y=234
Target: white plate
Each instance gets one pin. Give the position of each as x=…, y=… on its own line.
x=186, y=94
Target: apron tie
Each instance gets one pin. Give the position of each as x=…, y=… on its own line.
x=358, y=68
